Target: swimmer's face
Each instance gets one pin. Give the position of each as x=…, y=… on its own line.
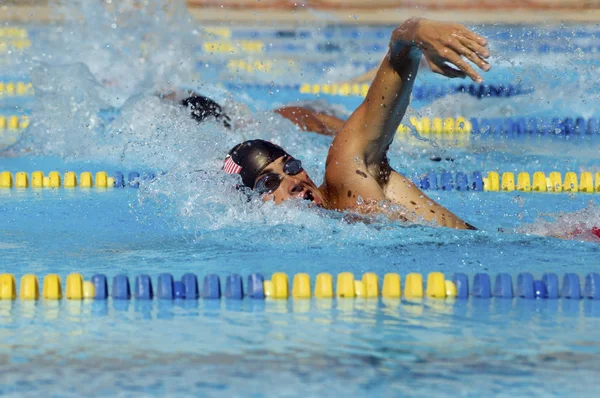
x=285, y=179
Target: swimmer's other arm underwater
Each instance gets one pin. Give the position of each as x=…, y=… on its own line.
x=358, y=176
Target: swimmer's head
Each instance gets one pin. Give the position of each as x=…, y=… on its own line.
x=271, y=171
x=203, y=107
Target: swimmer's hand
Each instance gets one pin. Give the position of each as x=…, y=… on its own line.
x=445, y=43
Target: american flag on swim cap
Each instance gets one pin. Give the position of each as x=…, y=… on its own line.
x=231, y=167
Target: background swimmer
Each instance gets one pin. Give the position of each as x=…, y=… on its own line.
x=306, y=117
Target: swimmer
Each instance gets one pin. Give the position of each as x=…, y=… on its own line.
x=305, y=117
x=358, y=176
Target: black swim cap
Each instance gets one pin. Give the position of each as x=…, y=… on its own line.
x=203, y=107
x=250, y=158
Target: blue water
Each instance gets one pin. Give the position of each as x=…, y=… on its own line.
x=191, y=219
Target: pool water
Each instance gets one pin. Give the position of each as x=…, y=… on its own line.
x=189, y=218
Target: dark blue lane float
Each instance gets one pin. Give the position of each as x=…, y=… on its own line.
x=429, y=92
x=515, y=127
x=459, y=181
x=421, y=92
x=551, y=282
x=481, y=286
x=211, y=288
x=503, y=287
x=143, y=288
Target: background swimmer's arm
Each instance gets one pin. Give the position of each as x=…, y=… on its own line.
x=333, y=124
x=370, y=130
x=309, y=120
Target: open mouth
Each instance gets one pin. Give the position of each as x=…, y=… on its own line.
x=309, y=196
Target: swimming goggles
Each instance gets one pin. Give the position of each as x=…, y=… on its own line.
x=270, y=182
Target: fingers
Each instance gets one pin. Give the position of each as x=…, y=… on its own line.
x=475, y=47
x=452, y=44
x=454, y=58
x=482, y=41
x=463, y=47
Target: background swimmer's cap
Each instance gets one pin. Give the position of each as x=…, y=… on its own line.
x=250, y=158
x=203, y=107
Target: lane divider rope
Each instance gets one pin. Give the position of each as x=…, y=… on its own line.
x=443, y=127
x=494, y=182
x=367, y=32
x=86, y=179
x=519, y=126
x=278, y=287
x=587, y=182
x=511, y=127
x=421, y=92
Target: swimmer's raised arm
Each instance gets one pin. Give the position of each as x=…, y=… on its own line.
x=372, y=126
x=357, y=172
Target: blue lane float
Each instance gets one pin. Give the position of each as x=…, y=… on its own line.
x=525, y=286
x=462, y=184
x=433, y=181
x=503, y=286
x=591, y=288
x=165, y=287
x=571, y=287
x=476, y=181
x=551, y=282
x=120, y=288
x=100, y=287
x=446, y=181
x=234, y=288
x=424, y=181
x=481, y=286
x=190, y=283
x=461, y=281
x=119, y=179
x=143, y=288
x=212, y=287
x=256, y=286
x=133, y=179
